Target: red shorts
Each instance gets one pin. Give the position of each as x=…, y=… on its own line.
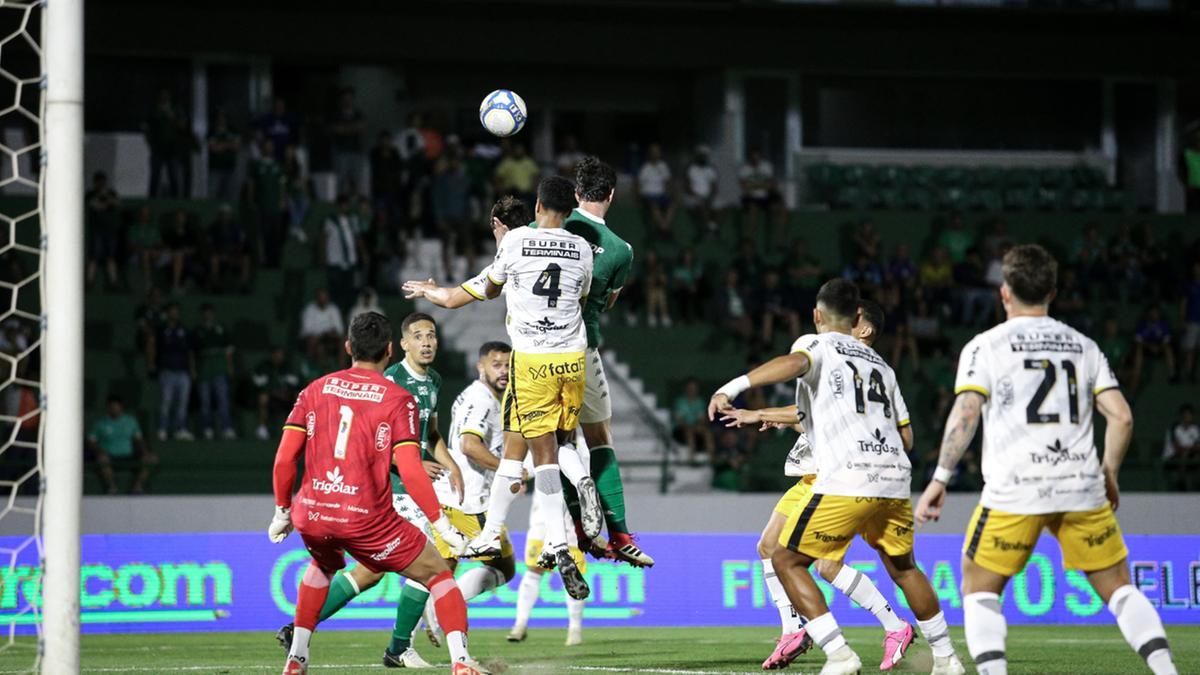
x=390, y=547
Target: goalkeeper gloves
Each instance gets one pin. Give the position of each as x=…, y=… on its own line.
x=281, y=525
x=453, y=538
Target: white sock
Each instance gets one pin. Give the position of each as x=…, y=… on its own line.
x=527, y=596
x=574, y=613
x=986, y=629
x=547, y=490
x=570, y=465
x=789, y=618
x=937, y=634
x=479, y=580
x=300, y=639
x=859, y=588
x=825, y=632
x=457, y=643
x=1142, y=628
x=505, y=486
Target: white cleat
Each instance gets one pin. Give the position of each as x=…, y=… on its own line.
x=409, y=658
x=842, y=662
x=480, y=547
x=574, y=636
x=591, y=512
x=947, y=665
x=517, y=634
x=432, y=629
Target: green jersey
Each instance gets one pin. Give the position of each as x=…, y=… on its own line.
x=425, y=389
x=116, y=436
x=212, y=346
x=611, y=258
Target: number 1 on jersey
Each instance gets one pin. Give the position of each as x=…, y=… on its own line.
x=343, y=434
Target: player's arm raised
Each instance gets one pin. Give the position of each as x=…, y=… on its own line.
x=1119, y=429
x=960, y=430
x=769, y=418
x=778, y=369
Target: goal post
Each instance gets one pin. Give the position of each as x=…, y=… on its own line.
x=62, y=302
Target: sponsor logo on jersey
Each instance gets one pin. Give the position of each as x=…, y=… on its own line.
x=858, y=351
x=382, y=435
x=357, y=509
x=837, y=383
x=878, y=444
x=556, y=369
x=533, y=415
x=334, y=483
x=826, y=538
x=1006, y=545
x=1005, y=392
x=310, y=424
x=356, y=391
x=387, y=550
x=1094, y=540
x=1057, y=454
x=550, y=248
x=1045, y=342
x=545, y=325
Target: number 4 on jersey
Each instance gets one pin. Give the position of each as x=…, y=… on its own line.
x=547, y=284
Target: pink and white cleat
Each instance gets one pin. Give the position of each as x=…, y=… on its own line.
x=895, y=644
x=787, y=649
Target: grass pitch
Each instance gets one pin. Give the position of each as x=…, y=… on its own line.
x=1031, y=649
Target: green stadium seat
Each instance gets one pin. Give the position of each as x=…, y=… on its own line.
x=1019, y=198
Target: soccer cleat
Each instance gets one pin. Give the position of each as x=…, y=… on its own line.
x=895, y=644
x=573, y=581
x=295, y=666
x=591, y=513
x=409, y=658
x=517, y=634
x=597, y=548
x=574, y=636
x=486, y=549
x=432, y=629
x=469, y=667
x=787, y=649
x=947, y=665
x=284, y=636
x=842, y=662
x=622, y=549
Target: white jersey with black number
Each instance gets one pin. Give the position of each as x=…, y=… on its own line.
x=476, y=412
x=546, y=273
x=1040, y=378
x=857, y=412
x=800, y=461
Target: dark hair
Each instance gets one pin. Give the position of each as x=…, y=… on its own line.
x=1031, y=273
x=494, y=346
x=873, y=314
x=512, y=212
x=840, y=297
x=557, y=194
x=415, y=317
x=1186, y=407
x=370, y=335
x=594, y=179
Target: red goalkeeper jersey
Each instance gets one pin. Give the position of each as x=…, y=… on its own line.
x=354, y=421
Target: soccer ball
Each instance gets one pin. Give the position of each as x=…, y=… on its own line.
x=502, y=112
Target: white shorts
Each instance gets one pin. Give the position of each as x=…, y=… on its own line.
x=597, y=406
x=407, y=508
x=1191, y=338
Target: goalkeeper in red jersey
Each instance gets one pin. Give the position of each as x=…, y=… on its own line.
x=350, y=425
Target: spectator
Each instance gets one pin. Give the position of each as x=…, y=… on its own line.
x=1152, y=337
x=517, y=175
x=368, y=301
x=227, y=249
x=214, y=368
x=1125, y=260
x=691, y=421
x=341, y=250
x=104, y=223
x=568, y=157
x=276, y=386
x=926, y=328
x=654, y=191
x=901, y=270
x=298, y=193
x=760, y=194
x=1189, y=316
x=145, y=243
x=175, y=365
x=180, y=241
x=265, y=190
x=223, y=148
x=804, y=276
x=727, y=460
x=451, y=197
x=977, y=298
x=1089, y=255
x=1116, y=348
x=167, y=154
x=280, y=127
x=321, y=322
x=701, y=193
x=687, y=278
x=1181, y=453
x=346, y=134
x=771, y=303
x=866, y=273
x=118, y=436
x=1071, y=302
x=936, y=275
x=1189, y=170
x=386, y=177
x=655, y=282
x=956, y=239
x=150, y=317
x=731, y=310
x=866, y=241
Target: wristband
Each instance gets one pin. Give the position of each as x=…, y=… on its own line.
x=735, y=386
x=943, y=475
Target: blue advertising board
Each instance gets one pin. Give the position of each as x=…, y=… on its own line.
x=240, y=581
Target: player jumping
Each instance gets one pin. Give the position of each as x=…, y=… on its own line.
x=550, y=271
x=863, y=477
x=1040, y=467
x=350, y=425
x=800, y=463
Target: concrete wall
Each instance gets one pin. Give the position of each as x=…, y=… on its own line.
x=1143, y=513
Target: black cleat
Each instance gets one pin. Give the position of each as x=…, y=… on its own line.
x=284, y=636
x=574, y=583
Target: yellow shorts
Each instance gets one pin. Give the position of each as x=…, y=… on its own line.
x=795, y=495
x=544, y=394
x=533, y=549
x=470, y=524
x=822, y=526
x=1002, y=542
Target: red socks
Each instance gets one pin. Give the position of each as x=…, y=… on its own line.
x=448, y=603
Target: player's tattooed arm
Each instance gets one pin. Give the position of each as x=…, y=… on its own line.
x=960, y=429
x=778, y=369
